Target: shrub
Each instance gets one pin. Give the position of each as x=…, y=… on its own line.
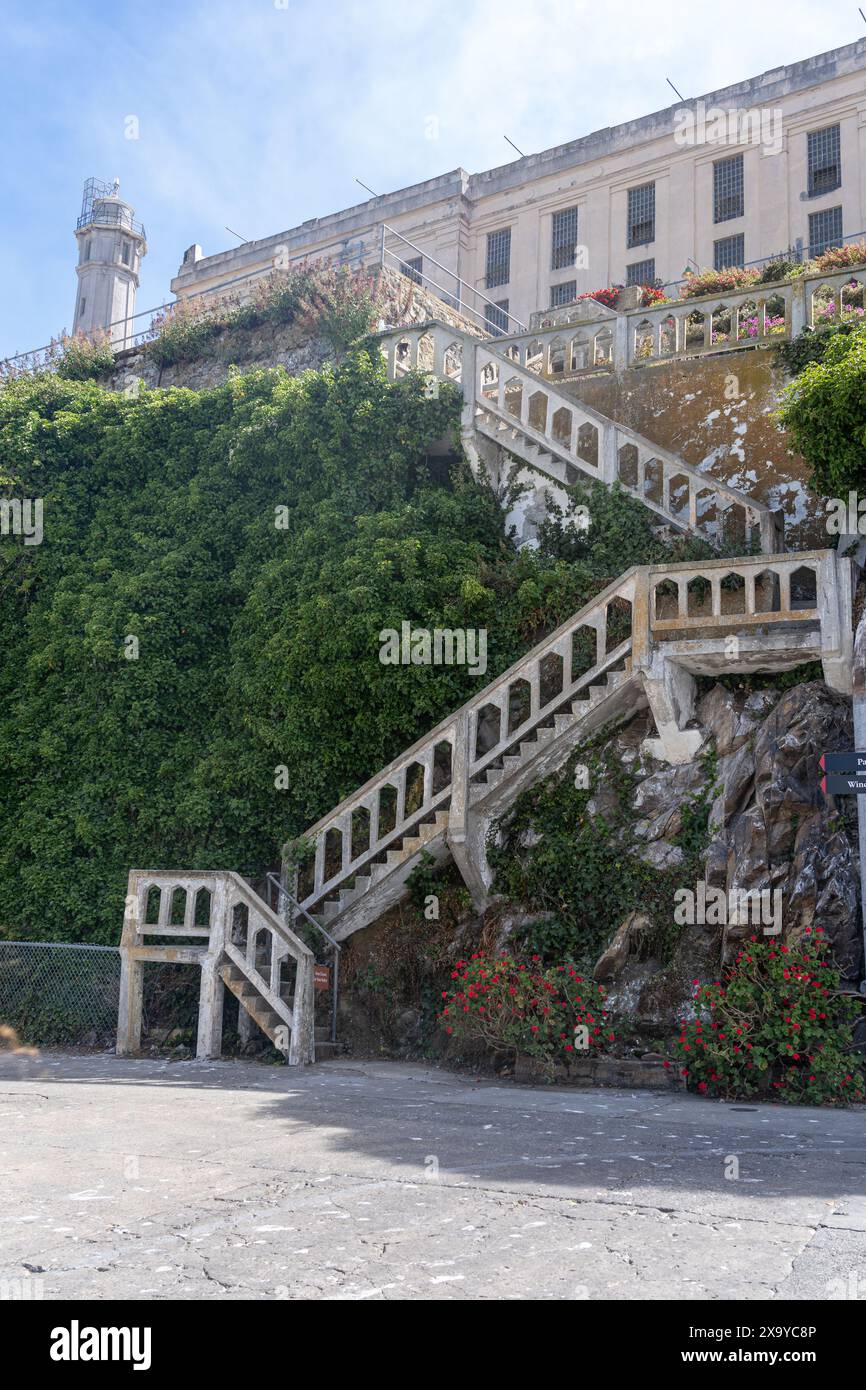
x=718, y=281
x=525, y=1008
x=809, y=346
x=183, y=332
x=777, y=1024
x=781, y=269
x=84, y=359
x=824, y=413
x=331, y=301
x=838, y=257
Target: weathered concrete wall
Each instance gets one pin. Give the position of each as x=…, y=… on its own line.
x=717, y=414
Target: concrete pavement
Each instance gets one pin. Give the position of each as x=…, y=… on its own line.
x=128, y=1178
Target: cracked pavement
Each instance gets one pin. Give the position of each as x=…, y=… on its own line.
x=142, y=1178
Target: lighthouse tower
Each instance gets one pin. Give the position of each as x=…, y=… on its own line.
x=110, y=247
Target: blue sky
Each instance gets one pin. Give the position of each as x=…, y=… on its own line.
x=257, y=114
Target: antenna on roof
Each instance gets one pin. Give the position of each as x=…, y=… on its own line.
x=367, y=186
x=238, y=235
x=514, y=147
x=670, y=84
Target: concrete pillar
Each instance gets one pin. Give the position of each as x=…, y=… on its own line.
x=210, y=1009
x=129, y=1011
x=302, y=1047
x=462, y=842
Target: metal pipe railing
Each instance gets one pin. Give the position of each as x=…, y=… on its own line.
x=283, y=895
x=453, y=273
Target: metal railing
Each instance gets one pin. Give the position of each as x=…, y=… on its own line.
x=462, y=284
x=288, y=908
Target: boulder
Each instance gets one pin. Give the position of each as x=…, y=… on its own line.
x=625, y=943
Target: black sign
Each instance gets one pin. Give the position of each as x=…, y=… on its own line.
x=849, y=763
x=844, y=786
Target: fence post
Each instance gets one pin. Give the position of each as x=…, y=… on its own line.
x=131, y=971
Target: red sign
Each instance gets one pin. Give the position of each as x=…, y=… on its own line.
x=322, y=976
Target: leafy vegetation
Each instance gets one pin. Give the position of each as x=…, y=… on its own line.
x=824, y=413
x=205, y=610
x=776, y=1024
x=558, y=851
x=339, y=305
x=516, y=1007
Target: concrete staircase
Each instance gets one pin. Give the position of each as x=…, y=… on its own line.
x=639, y=643
x=562, y=439
x=766, y=613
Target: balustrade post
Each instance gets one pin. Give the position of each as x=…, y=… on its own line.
x=211, y=993
x=608, y=453
x=623, y=346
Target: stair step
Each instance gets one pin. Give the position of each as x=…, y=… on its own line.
x=495, y=776
x=563, y=722
x=511, y=762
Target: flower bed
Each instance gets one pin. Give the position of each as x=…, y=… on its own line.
x=776, y=1024
x=546, y=1012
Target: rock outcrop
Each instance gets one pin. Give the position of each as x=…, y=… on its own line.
x=772, y=831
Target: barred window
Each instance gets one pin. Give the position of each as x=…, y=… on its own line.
x=728, y=198
x=566, y=293
x=824, y=160
x=641, y=273
x=728, y=251
x=642, y=214
x=564, y=238
x=825, y=230
x=498, y=258
x=412, y=269
x=496, y=317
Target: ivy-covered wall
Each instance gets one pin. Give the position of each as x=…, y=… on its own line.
x=205, y=610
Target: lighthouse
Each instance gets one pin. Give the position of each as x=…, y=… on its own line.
x=110, y=247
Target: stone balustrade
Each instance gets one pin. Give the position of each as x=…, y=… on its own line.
x=760, y=314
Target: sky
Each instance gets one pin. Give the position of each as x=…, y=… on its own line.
x=259, y=114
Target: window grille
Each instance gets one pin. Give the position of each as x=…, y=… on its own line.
x=496, y=317
x=566, y=293
x=728, y=251
x=641, y=273
x=728, y=198
x=642, y=214
x=824, y=160
x=498, y=258
x=564, y=238
x=412, y=269
x=825, y=230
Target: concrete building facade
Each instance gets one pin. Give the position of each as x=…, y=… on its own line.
x=766, y=165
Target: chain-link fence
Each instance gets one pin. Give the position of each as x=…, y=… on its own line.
x=54, y=992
